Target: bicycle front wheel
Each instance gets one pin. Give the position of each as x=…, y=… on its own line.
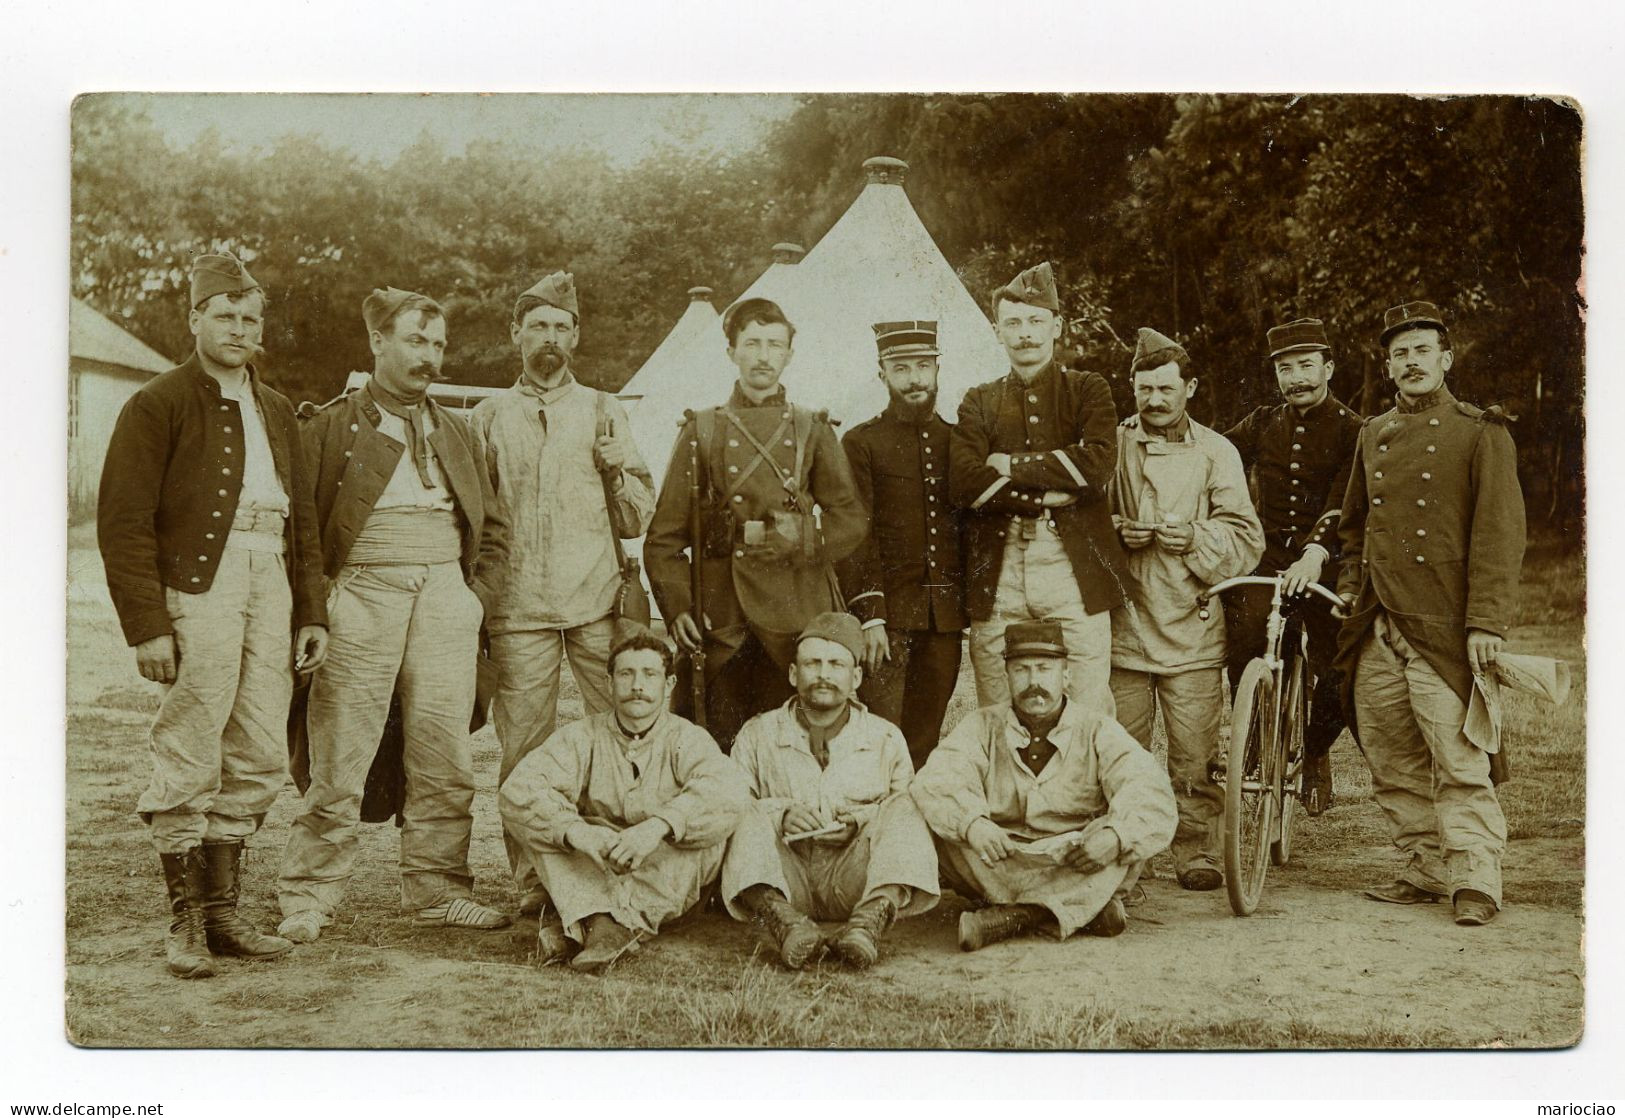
x=1289, y=783
x=1249, y=806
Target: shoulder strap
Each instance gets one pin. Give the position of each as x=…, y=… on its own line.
x=803, y=434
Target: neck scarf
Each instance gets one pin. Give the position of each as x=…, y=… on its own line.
x=819, y=736
x=1039, y=748
x=411, y=411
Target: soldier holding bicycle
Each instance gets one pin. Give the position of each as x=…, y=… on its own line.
x=1298, y=453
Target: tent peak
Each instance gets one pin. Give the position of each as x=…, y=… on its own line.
x=700, y=294
x=885, y=169
x=788, y=252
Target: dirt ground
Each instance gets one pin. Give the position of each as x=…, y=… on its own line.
x=1316, y=966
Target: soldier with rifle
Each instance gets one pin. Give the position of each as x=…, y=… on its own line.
x=760, y=498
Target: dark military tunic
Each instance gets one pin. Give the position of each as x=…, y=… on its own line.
x=1061, y=432
x=758, y=594
x=909, y=575
x=1300, y=469
x=1432, y=531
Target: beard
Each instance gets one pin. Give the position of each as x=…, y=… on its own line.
x=546, y=360
x=909, y=408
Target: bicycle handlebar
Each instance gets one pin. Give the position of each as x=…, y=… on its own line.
x=1339, y=607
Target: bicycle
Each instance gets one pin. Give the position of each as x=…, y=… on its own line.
x=1263, y=774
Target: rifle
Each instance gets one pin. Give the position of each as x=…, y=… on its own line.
x=696, y=574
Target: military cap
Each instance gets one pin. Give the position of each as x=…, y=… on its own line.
x=1034, y=638
x=1297, y=336
x=906, y=339
x=556, y=290
x=1151, y=342
x=842, y=628
x=747, y=306
x=1406, y=315
x=380, y=308
x=1035, y=287
x=219, y=273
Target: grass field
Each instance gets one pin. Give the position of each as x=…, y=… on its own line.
x=1316, y=967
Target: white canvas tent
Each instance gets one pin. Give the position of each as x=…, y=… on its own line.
x=876, y=264
x=695, y=322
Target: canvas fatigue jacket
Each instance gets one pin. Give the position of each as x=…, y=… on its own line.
x=1097, y=772
x=868, y=763
x=351, y=461
x=1060, y=431
x=169, y=490
x=1433, y=532
x=910, y=571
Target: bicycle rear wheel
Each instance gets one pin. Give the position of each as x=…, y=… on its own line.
x=1249, y=808
x=1294, y=716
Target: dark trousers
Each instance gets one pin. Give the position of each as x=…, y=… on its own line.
x=1246, y=615
x=737, y=689
x=912, y=689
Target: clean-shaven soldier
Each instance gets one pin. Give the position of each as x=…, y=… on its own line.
x=1032, y=457
x=907, y=582
x=1433, y=539
x=1180, y=501
x=777, y=510
x=551, y=445
x=207, y=530
x=624, y=815
x=416, y=545
x=833, y=834
x=1043, y=807
x=1298, y=453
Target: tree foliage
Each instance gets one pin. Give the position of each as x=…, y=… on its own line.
x=1208, y=217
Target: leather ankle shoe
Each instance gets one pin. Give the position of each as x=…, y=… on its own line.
x=1473, y=908
x=1403, y=892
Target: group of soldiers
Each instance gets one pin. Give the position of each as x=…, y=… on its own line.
x=790, y=760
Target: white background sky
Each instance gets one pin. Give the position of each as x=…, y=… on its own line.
x=624, y=127
x=50, y=52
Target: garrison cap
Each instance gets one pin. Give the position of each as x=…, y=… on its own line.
x=1297, y=336
x=906, y=339
x=744, y=307
x=1150, y=343
x=842, y=628
x=555, y=290
x=1034, y=638
x=381, y=307
x=1035, y=287
x=219, y=273
x=1406, y=315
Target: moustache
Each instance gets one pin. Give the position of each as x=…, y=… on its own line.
x=424, y=369
x=1029, y=345
x=1035, y=693
x=1300, y=388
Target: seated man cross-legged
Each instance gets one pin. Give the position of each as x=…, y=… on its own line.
x=623, y=815
x=1044, y=809
x=833, y=834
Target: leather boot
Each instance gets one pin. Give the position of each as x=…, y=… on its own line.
x=228, y=933
x=796, y=937
x=186, y=945
x=999, y=921
x=858, y=942
x=606, y=943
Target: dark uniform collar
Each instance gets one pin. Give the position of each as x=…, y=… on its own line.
x=1407, y=406
x=194, y=365
x=1044, y=373
x=737, y=399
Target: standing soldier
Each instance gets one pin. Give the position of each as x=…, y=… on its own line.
x=906, y=584
x=1180, y=502
x=767, y=552
x=1032, y=455
x=416, y=546
x=1298, y=453
x=208, y=533
x=570, y=485
x=1433, y=538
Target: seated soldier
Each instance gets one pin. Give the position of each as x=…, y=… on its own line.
x=834, y=834
x=624, y=815
x=1041, y=807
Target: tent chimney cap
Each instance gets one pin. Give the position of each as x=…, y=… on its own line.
x=885, y=169
x=788, y=252
x=699, y=294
